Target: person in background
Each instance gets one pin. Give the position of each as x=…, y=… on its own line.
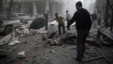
x=46, y=17
x=68, y=17
x=61, y=24
x=99, y=17
x=83, y=25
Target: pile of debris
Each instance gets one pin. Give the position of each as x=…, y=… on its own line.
x=69, y=38
x=58, y=40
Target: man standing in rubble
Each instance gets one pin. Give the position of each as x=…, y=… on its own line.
x=83, y=25
x=61, y=24
x=68, y=17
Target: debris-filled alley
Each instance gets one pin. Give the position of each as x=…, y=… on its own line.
x=33, y=36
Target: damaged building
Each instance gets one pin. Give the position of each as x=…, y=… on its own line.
x=34, y=7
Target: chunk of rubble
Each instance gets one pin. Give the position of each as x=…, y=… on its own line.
x=54, y=42
x=22, y=31
x=44, y=37
x=14, y=41
x=5, y=39
x=21, y=54
x=69, y=39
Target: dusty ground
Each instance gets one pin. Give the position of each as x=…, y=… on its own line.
x=36, y=53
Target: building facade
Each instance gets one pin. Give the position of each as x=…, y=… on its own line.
x=34, y=7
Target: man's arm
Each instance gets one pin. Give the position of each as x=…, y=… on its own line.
x=72, y=20
x=53, y=19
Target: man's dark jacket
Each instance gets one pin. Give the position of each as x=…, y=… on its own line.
x=82, y=19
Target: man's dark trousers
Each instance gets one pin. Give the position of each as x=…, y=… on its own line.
x=61, y=28
x=81, y=38
x=46, y=25
x=68, y=23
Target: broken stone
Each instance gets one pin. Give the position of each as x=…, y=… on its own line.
x=5, y=39
x=73, y=48
x=52, y=51
x=47, y=58
x=44, y=38
x=52, y=35
x=34, y=55
x=14, y=41
x=21, y=54
x=64, y=46
x=22, y=31
x=25, y=42
x=26, y=60
x=69, y=39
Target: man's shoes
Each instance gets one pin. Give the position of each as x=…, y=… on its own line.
x=77, y=59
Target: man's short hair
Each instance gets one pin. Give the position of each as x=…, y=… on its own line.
x=79, y=3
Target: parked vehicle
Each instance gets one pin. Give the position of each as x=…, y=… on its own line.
x=7, y=26
x=22, y=17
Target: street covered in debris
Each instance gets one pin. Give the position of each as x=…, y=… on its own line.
x=27, y=39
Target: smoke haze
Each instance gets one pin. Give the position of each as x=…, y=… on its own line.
x=70, y=5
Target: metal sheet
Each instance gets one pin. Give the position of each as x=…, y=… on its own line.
x=107, y=32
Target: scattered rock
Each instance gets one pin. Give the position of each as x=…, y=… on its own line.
x=26, y=60
x=44, y=38
x=34, y=55
x=73, y=48
x=5, y=39
x=25, y=42
x=21, y=54
x=14, y=41
x=69, y=39
x=47, y=58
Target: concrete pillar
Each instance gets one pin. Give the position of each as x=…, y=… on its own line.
x=34, y=8
x=47, y=5
x=21, y=6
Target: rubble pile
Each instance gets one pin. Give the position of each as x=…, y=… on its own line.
x=69, y=38
x=56, y=40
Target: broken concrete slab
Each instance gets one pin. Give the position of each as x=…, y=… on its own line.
x=21, y=54
x=14, y=41
x=5, y=39
x=107, y=32
x=53, y=42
